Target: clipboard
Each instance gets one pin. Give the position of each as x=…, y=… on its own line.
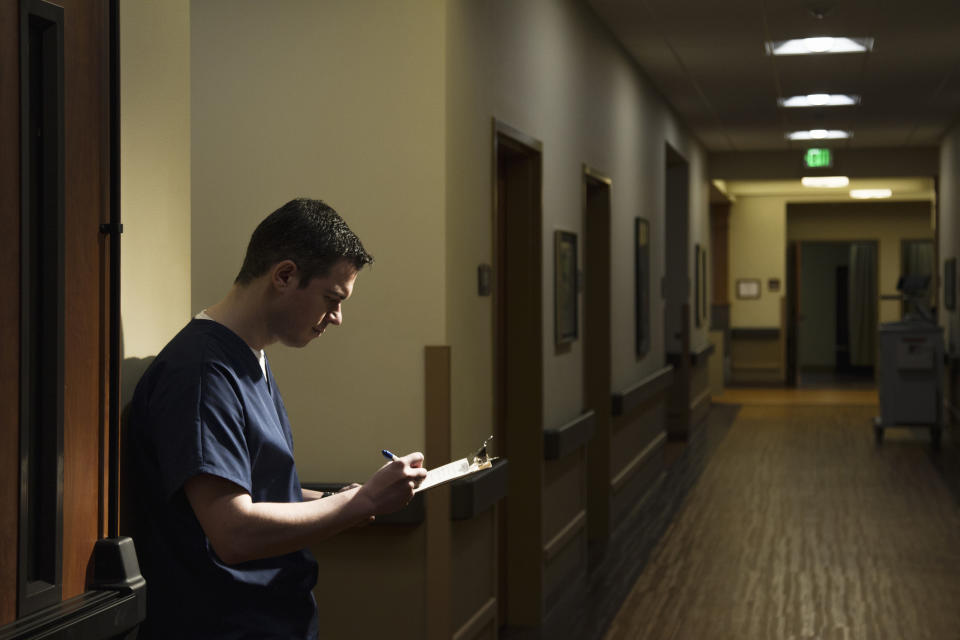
x=458, y=468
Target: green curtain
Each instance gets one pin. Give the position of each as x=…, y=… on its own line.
x=862, y=304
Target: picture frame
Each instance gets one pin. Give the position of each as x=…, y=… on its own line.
x=641, y=237
x=565, y=289
x=748, y=288
x=950, y=283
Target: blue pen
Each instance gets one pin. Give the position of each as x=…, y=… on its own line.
x=390, y=456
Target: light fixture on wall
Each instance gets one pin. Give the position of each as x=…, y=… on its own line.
x=819, y=134
x=870, y=194
x=818, y=45
x=819, y=100
x=825, y=182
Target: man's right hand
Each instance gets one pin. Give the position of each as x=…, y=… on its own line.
x=392, y=486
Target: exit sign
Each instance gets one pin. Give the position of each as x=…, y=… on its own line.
x=818, y=159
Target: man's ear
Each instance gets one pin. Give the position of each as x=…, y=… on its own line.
x=285, y=275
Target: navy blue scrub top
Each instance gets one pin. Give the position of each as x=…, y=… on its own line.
x=204, y=406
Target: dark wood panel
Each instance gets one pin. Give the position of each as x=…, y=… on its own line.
x=10, y=309
x=719, y=245
x=86, y=89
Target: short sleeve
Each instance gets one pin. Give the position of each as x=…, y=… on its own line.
x=199, y=427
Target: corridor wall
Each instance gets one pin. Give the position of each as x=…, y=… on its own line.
x=154, y=179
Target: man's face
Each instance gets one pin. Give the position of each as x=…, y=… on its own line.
x=306, y=312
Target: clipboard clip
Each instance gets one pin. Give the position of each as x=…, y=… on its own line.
x=480, y=457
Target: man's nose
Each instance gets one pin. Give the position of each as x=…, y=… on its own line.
x=336, y=316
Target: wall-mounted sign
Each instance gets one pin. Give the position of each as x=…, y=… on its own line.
x=818, y=159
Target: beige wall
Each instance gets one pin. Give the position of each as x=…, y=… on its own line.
x=154, y=177
x=342, y=101
x=759, y=234
x=757, y=237
x=550, y=70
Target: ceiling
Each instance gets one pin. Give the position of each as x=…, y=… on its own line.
x=707, y=58
x=911, y=189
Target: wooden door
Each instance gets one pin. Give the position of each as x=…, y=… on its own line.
x=518, y=372
x=55, y=371
x=597, y=349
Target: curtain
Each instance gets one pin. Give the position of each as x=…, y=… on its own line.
x=862, y=304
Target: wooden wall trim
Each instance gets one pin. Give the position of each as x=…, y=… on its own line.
x=564, y=440
x=625, y=401
x=437, y=422
x=563, y=537
x=9, y=311
x=623, y=476
x=479, y=621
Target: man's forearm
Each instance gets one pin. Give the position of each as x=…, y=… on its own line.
x=241, y=530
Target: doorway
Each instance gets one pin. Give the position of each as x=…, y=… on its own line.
x=676, y=289
x=837, y=324
x=596, y=348
x=518, y=371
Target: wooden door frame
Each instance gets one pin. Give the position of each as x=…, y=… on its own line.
x=106, y=602
x=518, y=351
x=597, y=348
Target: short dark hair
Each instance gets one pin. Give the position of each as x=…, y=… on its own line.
x=308, y=232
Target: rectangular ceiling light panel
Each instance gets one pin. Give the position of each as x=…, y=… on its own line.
x=820, y=134
x=817, y=46
x=819, y=100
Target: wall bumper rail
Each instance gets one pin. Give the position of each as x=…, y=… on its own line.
x=564, y=440
x=625, y=401
x=477, y=492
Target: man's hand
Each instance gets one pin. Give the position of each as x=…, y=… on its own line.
x=392, y=486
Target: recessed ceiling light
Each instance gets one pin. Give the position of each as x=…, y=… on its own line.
x=818, y=45
x=819, y=100
x=825, y=182
x=866, y=194
x=819, y=134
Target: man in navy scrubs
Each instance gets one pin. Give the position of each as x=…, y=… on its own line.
x=225, y=523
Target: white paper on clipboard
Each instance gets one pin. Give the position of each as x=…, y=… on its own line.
x=451, y=471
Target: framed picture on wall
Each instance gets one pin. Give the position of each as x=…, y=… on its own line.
x=950, y=283
x=565, y=287
x=748, y=288
x=641, y=237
